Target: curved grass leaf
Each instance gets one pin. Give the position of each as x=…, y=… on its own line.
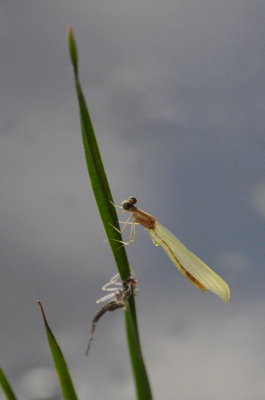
x=97, y=173
x=64, y=376
x=109, y=218
x=10, y=395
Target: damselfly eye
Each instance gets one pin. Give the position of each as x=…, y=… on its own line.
x=132, y=200
x=126, y=205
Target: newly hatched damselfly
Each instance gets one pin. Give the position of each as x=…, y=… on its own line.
x=194, y=269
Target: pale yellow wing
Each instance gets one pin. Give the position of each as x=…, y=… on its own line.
x=194, y=269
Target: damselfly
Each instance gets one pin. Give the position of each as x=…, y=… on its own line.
x=194, y=269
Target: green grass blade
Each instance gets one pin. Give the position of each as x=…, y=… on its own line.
x=143, y=388
x=97, y=173
x=10, y=395
x=64, y=376
x=109, y=217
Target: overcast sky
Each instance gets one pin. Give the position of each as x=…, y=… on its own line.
x=176, y=95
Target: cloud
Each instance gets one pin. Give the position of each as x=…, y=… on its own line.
x=258, y=198
x=233, y=261
x=38, y=383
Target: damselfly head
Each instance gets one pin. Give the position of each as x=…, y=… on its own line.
x=128, y=204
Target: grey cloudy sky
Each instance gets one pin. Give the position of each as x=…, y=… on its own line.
x=176, y=95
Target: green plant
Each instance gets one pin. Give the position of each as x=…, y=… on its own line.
x=8, y=391
x=109, y=218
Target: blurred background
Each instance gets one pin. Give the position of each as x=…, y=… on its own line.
x=176, y=95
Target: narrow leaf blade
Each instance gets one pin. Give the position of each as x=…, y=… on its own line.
x=8, y=391
x=64, y=376
x=109, y=218
x=97, y=173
